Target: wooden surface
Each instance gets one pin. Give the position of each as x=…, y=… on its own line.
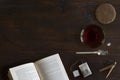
x=33, y=29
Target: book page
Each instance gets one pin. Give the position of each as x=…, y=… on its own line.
x=51, y=68
x=24, y=72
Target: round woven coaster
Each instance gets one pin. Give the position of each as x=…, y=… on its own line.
x=105, y=13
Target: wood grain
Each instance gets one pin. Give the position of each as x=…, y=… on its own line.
x=33, y=29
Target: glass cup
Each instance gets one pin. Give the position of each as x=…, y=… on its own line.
x=92, y=35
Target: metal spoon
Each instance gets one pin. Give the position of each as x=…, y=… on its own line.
x=99, y=52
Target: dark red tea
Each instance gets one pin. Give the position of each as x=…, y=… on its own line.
x=92, y=36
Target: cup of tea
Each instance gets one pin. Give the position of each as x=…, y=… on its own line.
x=92, y=35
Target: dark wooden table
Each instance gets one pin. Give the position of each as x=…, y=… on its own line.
x=33, y=29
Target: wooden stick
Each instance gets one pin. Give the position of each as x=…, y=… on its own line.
x=105, y=68
x=111, y=69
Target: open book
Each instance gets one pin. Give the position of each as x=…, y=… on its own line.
x=49, y=68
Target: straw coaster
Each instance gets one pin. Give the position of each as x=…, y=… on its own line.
x=105, y=13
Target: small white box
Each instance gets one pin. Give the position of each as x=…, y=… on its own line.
x=85, y=70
